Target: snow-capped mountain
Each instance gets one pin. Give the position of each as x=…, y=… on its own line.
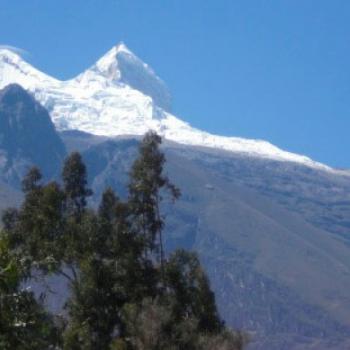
x=121, y=95
x=273, y=236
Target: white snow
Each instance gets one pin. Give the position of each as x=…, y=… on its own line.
x=121, y=95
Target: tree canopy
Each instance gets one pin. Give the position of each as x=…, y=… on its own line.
x=125, y=292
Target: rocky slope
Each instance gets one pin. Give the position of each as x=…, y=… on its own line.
x=27, y=136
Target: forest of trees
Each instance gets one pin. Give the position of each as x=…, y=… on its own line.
x=124, y=291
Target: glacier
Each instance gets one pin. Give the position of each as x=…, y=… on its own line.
x=121, y=95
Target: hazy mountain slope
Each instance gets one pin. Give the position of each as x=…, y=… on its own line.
x=27, y=136
x=275, y=272
x=320, y=197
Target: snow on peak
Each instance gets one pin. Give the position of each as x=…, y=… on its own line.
x=14, y=69
x=120, y=66
x=110, y=59
x=108, y=64
x=121, y=95
x=9, y=56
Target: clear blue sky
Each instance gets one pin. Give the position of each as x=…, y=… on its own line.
x=276, y=70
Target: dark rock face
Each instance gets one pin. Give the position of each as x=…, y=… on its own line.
x=27, y=136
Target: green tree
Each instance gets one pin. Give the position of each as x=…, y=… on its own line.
x=36, y=229
x=147, y=186
x=24, y=323
x=111, y=273
x=32, y=180
x=74, y=177
x=93, y=306
x=124, y=292
x=189, y=286
x=151, y=326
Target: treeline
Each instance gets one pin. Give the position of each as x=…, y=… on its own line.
x=125, y=293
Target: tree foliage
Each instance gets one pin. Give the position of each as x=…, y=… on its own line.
x=24, y=323
x=147, y=186
x=124, y=292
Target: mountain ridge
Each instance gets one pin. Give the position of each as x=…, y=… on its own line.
x=111, y=99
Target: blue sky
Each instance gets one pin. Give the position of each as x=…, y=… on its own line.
x=275, y=70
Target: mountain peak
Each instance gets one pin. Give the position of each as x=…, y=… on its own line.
x=122, y=95
x=108, y=63
x=120, y=66
x=121, y=47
